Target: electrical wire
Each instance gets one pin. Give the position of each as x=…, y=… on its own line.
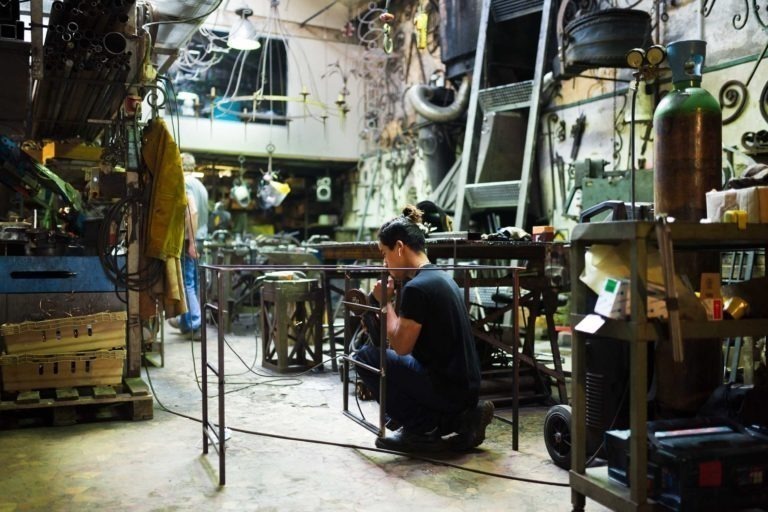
x=293, y=380
x=113, y=255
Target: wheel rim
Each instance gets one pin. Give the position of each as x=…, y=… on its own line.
x=560, y=435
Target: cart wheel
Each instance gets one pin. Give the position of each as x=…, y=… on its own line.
x=557, y=435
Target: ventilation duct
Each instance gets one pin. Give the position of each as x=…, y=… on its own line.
x=170, y=37
x=420, y=97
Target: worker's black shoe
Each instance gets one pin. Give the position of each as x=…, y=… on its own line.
x=392, y=424
x=410, y=442
x=471, y=433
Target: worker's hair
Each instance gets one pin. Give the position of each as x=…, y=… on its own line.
x=188, y=162
x=406, y=228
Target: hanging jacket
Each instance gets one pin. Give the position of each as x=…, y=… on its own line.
x=165, y=224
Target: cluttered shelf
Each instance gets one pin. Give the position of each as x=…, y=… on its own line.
x=593, y=482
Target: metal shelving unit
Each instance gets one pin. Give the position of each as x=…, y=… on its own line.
x=594, y=482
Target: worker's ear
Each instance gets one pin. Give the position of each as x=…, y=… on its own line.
x=399, y=248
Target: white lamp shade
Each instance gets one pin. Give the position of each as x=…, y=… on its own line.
x=243, y=36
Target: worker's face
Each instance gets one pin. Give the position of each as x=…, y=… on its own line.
x=393, y=259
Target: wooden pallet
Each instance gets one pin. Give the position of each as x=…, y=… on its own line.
x=68, y=406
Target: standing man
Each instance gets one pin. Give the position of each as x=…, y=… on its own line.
x=196, y=231
x=433, y=373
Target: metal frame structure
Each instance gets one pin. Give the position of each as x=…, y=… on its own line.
x=213, y=431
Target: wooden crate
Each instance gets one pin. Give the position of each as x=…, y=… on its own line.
x=100, y=331
x=94, y=368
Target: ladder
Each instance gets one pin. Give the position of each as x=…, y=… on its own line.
x=504, y=98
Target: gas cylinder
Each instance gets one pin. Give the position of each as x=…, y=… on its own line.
x=688, y=164
x=688, y=138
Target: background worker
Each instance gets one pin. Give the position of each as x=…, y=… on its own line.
x=196, y=231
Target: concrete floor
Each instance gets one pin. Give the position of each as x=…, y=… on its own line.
x=159, y=465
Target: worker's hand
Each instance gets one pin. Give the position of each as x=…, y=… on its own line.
x=192, y=250
x=378, y=289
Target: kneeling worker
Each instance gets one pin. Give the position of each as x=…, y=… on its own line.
x=433, y=374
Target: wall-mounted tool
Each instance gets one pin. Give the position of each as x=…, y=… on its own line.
x=421, y=21
x=581, y=170
x=387, y=18
x=599, y=186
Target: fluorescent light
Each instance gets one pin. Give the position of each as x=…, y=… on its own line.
x=243, y=35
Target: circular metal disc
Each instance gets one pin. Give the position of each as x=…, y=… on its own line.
x=356, y=296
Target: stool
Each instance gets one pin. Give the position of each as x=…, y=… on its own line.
x=291, y=324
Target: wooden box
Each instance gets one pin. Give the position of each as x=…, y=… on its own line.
x=100, y=331
x=96, y=368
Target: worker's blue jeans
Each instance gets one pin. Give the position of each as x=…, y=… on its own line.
x=410, y=399
x=191, y=320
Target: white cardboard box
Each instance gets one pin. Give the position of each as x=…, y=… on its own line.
x=614, y=300
x=753, y=200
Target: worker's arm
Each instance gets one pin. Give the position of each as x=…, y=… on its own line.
x=190, y=224
x=402, y=333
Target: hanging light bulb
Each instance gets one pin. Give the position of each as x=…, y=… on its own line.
x=243, y=35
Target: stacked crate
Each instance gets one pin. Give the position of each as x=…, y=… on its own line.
x=64, y=352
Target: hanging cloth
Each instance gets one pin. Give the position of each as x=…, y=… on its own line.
x=168, y=203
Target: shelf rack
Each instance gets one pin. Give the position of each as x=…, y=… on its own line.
x=594, y=483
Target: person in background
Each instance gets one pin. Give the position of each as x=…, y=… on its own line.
x=196, y=231
x=433, y=373
x=220, y=218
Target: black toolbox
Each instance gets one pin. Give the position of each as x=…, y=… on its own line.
x=699, y=464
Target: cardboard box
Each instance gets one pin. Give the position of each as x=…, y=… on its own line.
x=711, y=296
x=753, y=200
x=100, y=331
x=27, y=372
x=614, y=301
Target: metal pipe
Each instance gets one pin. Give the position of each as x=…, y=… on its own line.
x=420, y=96
x=115, y=43
x=318, y=13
